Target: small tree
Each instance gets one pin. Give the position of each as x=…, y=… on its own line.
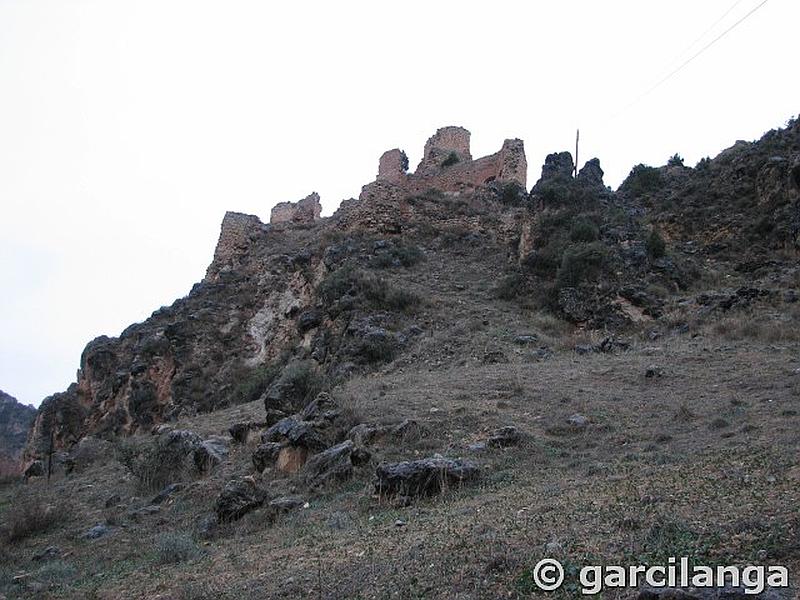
x=656, y=246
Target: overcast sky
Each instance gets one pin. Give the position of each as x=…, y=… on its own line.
x=127, y=129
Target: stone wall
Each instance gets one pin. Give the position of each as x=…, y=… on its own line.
x=305, y=211
x=451, y=144
x=234, y=239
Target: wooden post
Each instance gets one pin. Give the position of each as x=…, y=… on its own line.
x=577, y=139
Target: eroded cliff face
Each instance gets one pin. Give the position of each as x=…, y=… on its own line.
x=189, y=357
x=15, y=421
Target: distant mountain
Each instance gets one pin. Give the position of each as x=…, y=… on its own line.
x=15, y=421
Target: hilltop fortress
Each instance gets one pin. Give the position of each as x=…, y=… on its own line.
x=447, y=166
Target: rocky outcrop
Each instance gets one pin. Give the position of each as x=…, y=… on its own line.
x=15, y=422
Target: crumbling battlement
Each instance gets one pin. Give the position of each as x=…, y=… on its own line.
x=305, y=211
x=234, y=239
x=447, y=165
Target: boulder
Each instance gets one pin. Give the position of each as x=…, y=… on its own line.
x=321, y=407
x=240, y=432
x=35, y=469
x=265, y=455
x=237, y=498
x=578, y=421
x=285, y=504
x=210, y=453
x=180, y=440
x=309, y=319
x=504, y=437
x=97, y=531
x=166, y=492
x=296, y=432
x=334, y=464
x=423, y=477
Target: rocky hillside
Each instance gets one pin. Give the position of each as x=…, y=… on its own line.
x=349, y=294
x=446, y=381
x=15, y=421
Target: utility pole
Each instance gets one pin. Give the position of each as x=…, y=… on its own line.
x=577, y=139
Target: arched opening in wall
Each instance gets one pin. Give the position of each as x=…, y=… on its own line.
x=490, y=179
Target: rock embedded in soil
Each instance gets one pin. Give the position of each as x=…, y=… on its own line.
x=504, y=437
x=237, y=498
x=334, y=464
x=424, y=477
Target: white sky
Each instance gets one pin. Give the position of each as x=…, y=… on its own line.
x=127, y=129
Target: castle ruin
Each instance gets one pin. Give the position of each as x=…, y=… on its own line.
x=447, y=164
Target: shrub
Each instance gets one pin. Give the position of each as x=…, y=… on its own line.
x=512, y=193
x=56, y=572
x=553, y=193
x=173, y=548
x=253, y=384
x=406, y=256
x=377, y=350
x=583, y=230
x=302, y=381
x=153, y=464
x=510, y=287
x=404, y=160
x=643, y=180
x=676, y=160
x=373, y=290
x=29, y=517
x=579, y=263
x=451, y=159
x=655, y=245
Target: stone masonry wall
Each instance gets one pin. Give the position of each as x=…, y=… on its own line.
x=305, y=211
x=234, y=238
x=507, y=165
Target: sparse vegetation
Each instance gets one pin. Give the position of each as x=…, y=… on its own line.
x=642, y=180
x=154, y=463
x=253, y=383
x=396, y=255
x=580, y=263
x=655, y=245
x=676, y=160
x=583, y=230
x=375, y=291
x=451, y=160
x=511, y=287
x=30, y=518
x=172, y=548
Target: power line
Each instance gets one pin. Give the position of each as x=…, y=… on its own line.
x=703, y=49
x=708, y=30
